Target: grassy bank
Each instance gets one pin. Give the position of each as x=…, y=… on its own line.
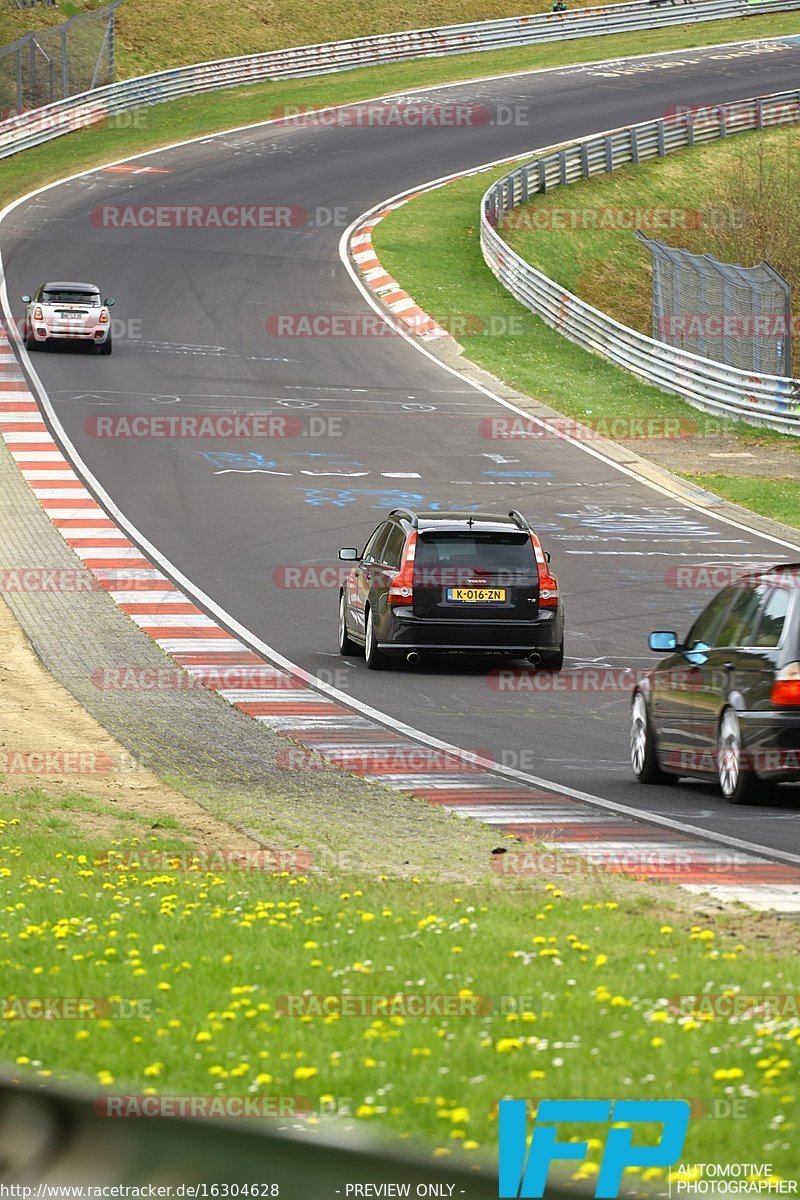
x=550, y=975
x=688, y=195
x=161, y=33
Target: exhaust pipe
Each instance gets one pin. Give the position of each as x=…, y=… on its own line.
x=534, y=659
x=412, y=657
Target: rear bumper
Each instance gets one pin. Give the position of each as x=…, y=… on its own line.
x=42, y=332
x=404, y=632
x=772, y=743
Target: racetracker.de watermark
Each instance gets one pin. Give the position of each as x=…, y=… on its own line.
x=214, y=425
x=65, y=762
x=540, y=219
x=230, y=858
x=218, y=216
x=712, y=115
x=400, y=760
x=75, y=1008
x=590, y=428
x=777, y=1006
x=403, y=114
x=666, y=863
x=369, y=324
x=727, y=325
x=716, y=576
x=215, y=1107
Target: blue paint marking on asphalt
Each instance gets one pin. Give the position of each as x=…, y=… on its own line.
x=378, y=497
x=224, y=458
x=520, y=474
x=382, y=497
x=339, y=459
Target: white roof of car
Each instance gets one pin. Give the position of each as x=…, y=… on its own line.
x=71, y=287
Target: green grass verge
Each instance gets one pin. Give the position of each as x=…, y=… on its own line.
x=211, y=952
x=175, y=120
x=608, y=267
x=776, y=498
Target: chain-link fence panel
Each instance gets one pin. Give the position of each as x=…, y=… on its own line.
x=740, y=316
x=58, y=61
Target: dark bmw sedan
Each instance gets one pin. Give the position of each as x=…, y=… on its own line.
x=451, y=583
x=725, y=702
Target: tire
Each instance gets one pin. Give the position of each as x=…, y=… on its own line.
x=643, y=747
x=737, y=782
x=346, y=643
x=554, y=661
x=31, y=344
x=376, y=661
x=105, y=347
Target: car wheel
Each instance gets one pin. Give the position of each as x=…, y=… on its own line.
x=31, y=343
x=346, y=643
x=105, y=347
x=643, y=747
x=376, y=661
x=554, y=661
x=738, y=783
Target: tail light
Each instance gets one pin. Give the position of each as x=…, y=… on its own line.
x=37, y=314
x=548, y=584
x=103, y=318
x=401, y=589
x=786, y=688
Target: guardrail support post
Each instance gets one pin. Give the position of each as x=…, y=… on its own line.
x=112, y=47
x=562, y=167
x=759, y=113
x=723, y=124
x=634, y=147
x=585, y=160
x=609, y=153
x=65, y=63
x=662, y=150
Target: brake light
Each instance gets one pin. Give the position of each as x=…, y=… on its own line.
x=548, y=584
x=37, y=314
x=401, y=588
x=103, y=318
x=786, y=688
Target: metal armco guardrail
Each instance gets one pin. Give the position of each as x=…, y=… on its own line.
x=767, y=400
x=42, y=124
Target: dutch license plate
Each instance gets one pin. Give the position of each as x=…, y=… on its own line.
x=477, y=595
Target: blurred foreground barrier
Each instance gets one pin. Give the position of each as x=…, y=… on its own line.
x=55, y=1138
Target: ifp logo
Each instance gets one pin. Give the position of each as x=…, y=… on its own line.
x=527, y=1179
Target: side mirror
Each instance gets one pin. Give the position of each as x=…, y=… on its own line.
x=26, y=299
x=349, y=554
x=547, y=556
x=663, y=641
x=109, y=301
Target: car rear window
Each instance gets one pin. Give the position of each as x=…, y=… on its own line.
x=474, y=554
x=773, y=618
x=738, y=628
x=89, y=298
